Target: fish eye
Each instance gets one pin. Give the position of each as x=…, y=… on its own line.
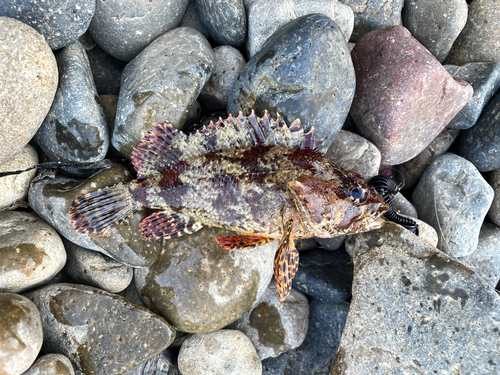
x=358, y=194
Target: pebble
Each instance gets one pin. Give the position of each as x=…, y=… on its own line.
x=453, y=198
x=123, y=29
x=331, y=244
x=26, y=94
x=278, y=78
x=403, y=206
x=392, y=89
x=106, y=71
x=272, y=330
x=493, y=179
x=162, y=364
x=192, y=19
x=225, y=352
x=21, y=333
x=225, y=21
x=98, y=331
x=161, y=84
x=51, y=364
x=75, y=128
x=32, y=251
x=201, y=287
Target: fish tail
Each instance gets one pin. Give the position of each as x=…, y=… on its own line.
x=101, y=209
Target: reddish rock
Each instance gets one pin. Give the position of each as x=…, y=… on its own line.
x=404, y=97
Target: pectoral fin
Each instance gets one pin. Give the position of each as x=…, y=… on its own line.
x=242, y=241
x=168, y=225
x=286, y=263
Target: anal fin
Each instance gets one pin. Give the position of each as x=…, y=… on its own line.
x=167, y=224
x=286, y=263
x=242, y=241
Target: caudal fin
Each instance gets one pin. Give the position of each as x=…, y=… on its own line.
x=101, y=209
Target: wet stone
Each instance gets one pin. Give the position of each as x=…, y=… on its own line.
x=199, y=286
x=278, y=78
x=225, y=21
x=53, y=364
x=106, y=71
x=98, y=331
x=21, y=333
x=330, y=244
x=273, y=330
x=192, y=19
x=493, y=179
x=162, y=364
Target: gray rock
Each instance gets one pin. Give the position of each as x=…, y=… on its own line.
x=75, y=128
x=272, y=330
x=225, y=352
x=161, y=84
x=109, y=104
x=32, y=251
x=267, y=16
x=403, y=206
x=162, y=364
x=453, y=198
x=226, y=21
x=448, y=19
x=29, y=82
x=420, y=310
x=123, y=29
x=191, y=19
x=106, y=71
x=331, y=243
x=98, y=331
x=493, y=179
x=21, y=333
x=53, y=364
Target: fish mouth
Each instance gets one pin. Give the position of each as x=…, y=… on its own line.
x=376, y=224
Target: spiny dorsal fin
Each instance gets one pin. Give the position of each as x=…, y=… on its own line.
x=164, y=146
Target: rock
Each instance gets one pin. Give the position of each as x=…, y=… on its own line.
x=403, y=206
x=60, y=23
x=75, y=128
x=353, y=152
x=106, y=71
x=98, y=331
x=267, y=16
x=272, y=330
x=422, y=311
x=479, y=41
x=199, y=286
x=53, y=364
x=161, y=84
x=162, y=364
x=493, y=179
x=29, y=81
x=123, y=29
x=32, y=251
x=485, y=80
x=331, y=243
x=278, y=78
x=192, y=19
x=448, y=20
x=224, y=352
x=14, y=188
x=225, y=21
x=399, y=84
x=21, y=333
x=453, y=198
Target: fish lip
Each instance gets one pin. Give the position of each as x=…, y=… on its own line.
x=376, y=224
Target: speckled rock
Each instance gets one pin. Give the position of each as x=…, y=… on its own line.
x=353, y=152
x=267, y=16
x=161, y=84
x=279, y=77
x=29, y=81
x=448, y=19
x=454, y=198
x=75, y=128
x=32, y=251
x=493, y=179
x=479, y=41
x=399, y=84
x=162, y=364
x=98, y=331
x=53, y=364
x=52, y=198
x=192, y=19
x=273, y=330
x=331, y=243
x=60, y=22
x=106, y=71
x=225, y=21
x=199, y=286
x=15, y=188
x=225, y=352
x=123, y=29
x=21, y=333
x=421, y=309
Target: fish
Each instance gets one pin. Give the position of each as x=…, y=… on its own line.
x=253, y=175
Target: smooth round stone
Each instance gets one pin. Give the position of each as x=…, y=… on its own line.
x=479, y=41
x=124, y=28
x=393, y=71
x=106, y=71
x=192, y=19
x=161, y=84
x=162, y=364
x=273, y=330
x=201, y=287
x=60, y=22
x=98, y=331
x=304, y=71
x=403, y=206
x=21, y=333
x=225, y=21
x=15, y=188
x=448, y=19
x=28, y=77
x=453, y=198
x=225, y=352
x=493, y=179
x=51, y=198
x=53, y=364
x=267, y=16
x=331, y=244
x=31, y=251
x=355, y=153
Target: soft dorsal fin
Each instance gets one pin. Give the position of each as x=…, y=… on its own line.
x=164, y=146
